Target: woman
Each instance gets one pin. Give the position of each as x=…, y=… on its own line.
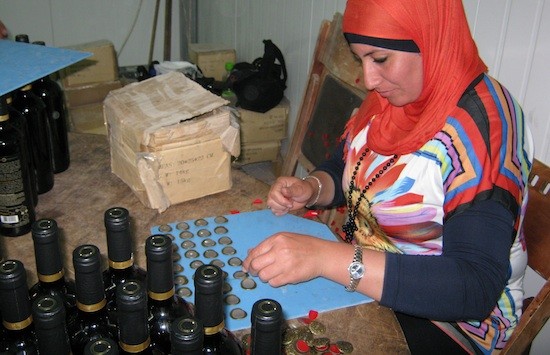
x=433, y=170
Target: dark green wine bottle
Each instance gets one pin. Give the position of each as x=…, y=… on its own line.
x=16, y=309
x=187, y=336
x=266, y=328
x=16, y=203
x=50, y=326
x=209, y=309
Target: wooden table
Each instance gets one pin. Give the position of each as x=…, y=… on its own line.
x=81, y=195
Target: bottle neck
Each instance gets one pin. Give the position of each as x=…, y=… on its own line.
x=213, y=331
x=91, y=309
x=52, y=279
x=18, y=326
x=161, y=297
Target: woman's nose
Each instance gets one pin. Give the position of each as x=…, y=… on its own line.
x=370, y=77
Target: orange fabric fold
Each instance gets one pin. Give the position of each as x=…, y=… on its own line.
x=450, y=63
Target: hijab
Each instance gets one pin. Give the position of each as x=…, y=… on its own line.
x=450, y=60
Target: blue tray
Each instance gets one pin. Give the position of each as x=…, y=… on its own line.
x=22, y=63
x=246, y=230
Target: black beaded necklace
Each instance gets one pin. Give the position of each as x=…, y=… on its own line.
x=350, y=227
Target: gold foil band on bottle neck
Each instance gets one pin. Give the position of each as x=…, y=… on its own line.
x=52, y=277
x=215, y=329
x=135, y=348
x=120, y=265
x=4, y=118
x=18, y=325
x=91, y=307
x=26, y=87
x=162, y=296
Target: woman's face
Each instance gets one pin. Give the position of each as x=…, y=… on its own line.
x=395, y=75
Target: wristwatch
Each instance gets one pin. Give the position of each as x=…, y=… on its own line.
x=356, y=269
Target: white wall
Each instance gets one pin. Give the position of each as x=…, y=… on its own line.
x=126, y=23
x=512, y=37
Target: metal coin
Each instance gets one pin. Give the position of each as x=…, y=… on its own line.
x=176, y=257
x=208, y=243
x=226, y=288
x=181, y=280
x=317, y=328
x=248, y=284
x=228, y=250
x=169, y=235
x=184, y=292
x=220, y=219
x=210, y=253
x=218, y=263
x=204, y=233
x=195, y=264
x=345, y=346
x=188, y=244
x=240, y=274
x=237, y=313
x=225, y=240
x=174, y=247
x=182, y=226
x=220, y=230
x=191, y=254
x=232, y=299
x=186, y=235
x=165, y=228
x=234, y=261
x=201, y=222
x=177, y=268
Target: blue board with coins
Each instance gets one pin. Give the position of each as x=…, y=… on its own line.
x=225, y=240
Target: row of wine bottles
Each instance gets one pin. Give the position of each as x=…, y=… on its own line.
x=123, y=308
x=33, y=147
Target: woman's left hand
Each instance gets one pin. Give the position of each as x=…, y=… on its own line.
x=286, y=258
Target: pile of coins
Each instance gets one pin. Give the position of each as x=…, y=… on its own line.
x=308, y=337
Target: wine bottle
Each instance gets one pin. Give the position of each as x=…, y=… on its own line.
x=187, y=336
x=38, y=132
x=19, y=122
x=49, y=265
x=209, y=309
x=101, y=346
x=164, y=305
x=16, y=309
x=49, y=322
x=266, y=328
x=121, y=259
x=133, y=329
x=16, y=204
x=52, y=96
x=91, y=321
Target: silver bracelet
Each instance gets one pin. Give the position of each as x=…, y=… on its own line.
x=320, y=186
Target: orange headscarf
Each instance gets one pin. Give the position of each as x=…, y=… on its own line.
x=450, y=63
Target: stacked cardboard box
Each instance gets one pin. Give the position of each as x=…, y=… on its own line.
x=211, y=58
x=171, y=140
x=262, y=133
x=87, y=83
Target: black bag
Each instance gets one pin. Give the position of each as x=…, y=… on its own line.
x=260, y=86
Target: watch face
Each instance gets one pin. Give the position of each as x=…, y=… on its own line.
x=356, y=270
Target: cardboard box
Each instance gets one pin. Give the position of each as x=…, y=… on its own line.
x=87, y=119
x=262, y=127
x=101, y=66
x=259, y=151
x=211, y=58
x=89, y=93
x=171, y=140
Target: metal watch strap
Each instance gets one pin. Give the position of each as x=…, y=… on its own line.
x=356, y=269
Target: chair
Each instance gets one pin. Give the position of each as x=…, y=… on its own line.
x=536, y=310
x=335, y=88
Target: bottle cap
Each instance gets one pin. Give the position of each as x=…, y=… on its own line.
x=48, y=312
x=46, y=247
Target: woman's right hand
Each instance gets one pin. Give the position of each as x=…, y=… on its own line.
x=288, y=193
